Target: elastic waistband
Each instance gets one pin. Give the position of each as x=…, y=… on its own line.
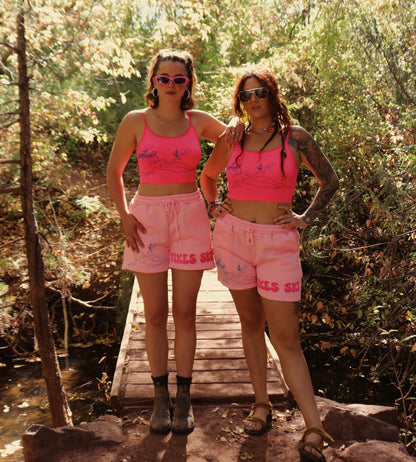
x=245, y=225
x=161, y=200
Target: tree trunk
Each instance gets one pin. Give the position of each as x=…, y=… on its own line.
x=60, y=412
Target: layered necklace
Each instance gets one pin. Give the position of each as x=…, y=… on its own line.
x=261, y=131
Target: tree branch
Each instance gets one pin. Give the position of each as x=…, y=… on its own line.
x=9, y=124
x=88, y=304
x=11, y=161
x=10, y=190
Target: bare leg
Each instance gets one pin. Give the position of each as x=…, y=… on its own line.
x=154, y=290
x=252, y=318
x=186, y=285
x=283, y=323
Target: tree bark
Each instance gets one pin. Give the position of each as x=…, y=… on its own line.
x=60, y=412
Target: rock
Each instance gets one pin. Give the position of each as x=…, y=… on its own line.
x=380, y=451
x=350, y=426
x=387, y=414
x=359, y=422
x=40, y=441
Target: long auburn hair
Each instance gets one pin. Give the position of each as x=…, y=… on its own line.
x=170, y=55
x=279, y=110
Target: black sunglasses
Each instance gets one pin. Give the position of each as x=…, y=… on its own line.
x=245, y=95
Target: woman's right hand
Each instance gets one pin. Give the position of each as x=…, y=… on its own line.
x=218, y=208
x=234, y=132
x=132, y=229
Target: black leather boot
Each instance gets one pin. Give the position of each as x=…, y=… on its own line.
x=161, y=420
x=183, y=415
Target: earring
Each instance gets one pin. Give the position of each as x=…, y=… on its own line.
x=186, y=94
x=155, y=92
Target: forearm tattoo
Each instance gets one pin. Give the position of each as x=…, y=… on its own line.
x=307, y=147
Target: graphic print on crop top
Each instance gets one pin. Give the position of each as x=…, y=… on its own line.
x=257, y=176
x=168, y=160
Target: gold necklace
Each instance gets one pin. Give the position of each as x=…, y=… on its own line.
x=261, y=131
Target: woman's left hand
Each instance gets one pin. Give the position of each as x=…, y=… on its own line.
x=289, y=219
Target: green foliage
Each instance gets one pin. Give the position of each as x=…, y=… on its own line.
x=90, y=204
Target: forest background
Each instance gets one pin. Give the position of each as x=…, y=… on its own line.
x=346, y=69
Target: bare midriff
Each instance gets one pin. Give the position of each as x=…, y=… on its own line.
x=147, y=189
x=258, y=211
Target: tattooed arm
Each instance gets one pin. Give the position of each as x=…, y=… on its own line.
x=308, y=152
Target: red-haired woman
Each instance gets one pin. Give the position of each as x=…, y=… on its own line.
x=256, y=242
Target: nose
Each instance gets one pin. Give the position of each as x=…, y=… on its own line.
x=253, y=95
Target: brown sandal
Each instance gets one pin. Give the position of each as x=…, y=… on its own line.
x=266, y=424
x=308, y=456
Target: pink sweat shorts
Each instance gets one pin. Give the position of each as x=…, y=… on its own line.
x=178, y=234
x=254, y=255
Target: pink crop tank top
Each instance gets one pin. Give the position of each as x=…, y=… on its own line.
x=257, y=176
x=168, y=160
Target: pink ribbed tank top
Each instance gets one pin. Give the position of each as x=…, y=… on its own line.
x=257, y=176
x=168, y=160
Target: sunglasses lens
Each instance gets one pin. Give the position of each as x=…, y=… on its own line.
x=244, y=96
x=180, y=80
x=260, y=93
x=162, y=79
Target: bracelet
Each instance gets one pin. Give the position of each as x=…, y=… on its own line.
x=213, y=204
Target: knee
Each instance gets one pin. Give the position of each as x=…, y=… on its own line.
x=287, y=341
x=184, y=319
x=156, y=319
x=252, y=323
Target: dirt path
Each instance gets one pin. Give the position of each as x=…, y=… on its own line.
x=218, y=437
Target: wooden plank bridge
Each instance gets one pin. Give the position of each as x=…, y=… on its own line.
x=220, y=371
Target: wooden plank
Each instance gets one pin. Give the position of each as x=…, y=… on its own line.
x=202, y=334
x=203, y=328
x=217, y=354
x=116, y=389
x=203, y=364
x=201, y=343
x=215, y=320
x=217, y=308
